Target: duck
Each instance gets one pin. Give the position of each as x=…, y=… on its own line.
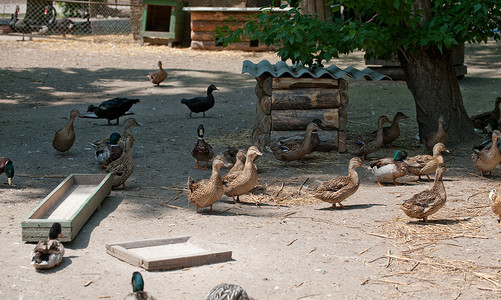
x=376, y=144
x=121, y=142
x=206, y=192
x=486, y=143
x=202, y=150
x=296, y=139
x=65, y=137
x=226, y=291
x=138, y=292
x=426, y=164
x=55, y=25
x=230, y=157
x=486, y=160
x=158, y=76
x=48, y=253
x=391, y=133
x=294, y=151
x=244, y=181
x=7, y=167
x=427, y=202
x=390, y=168
x=123, y=167
x=481, y=120
x=239, y=161
x=439, y=136
x=201, y=104
x=110, y=151
x=496, y=203
x=112, y=109
x=340, y=188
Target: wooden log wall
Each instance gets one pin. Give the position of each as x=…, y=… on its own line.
x=203, y=27
x=287, y=105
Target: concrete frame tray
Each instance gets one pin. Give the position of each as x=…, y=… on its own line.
x=169, y=253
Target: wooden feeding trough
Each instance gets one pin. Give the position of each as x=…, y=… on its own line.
x=71, y=203
x=169, y=253
x=204, y=21
x=290, y=97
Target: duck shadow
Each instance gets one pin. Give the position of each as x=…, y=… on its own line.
x=440, y=221
x=351, y=207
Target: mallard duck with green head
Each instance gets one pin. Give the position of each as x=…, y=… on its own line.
x=340, y=188
x=427, y=202
x=202, y=150
x=110, y=151
x=49, y=253
x=138, y=292
x=390, y=168
x=7, y=167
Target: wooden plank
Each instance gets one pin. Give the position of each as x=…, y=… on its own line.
x=306, y=98
x=298, y=119
x=212, y=25
x=281, y=83
x=221, y=15
x=265, y=82
x=244, y=46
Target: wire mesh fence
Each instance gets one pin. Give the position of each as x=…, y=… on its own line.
x=78, y=17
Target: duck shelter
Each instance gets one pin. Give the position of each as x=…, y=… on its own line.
x=290, y=97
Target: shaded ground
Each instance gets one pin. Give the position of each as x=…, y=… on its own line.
x=286, y=244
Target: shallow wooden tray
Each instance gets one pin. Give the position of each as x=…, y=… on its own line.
x=169, y=253
x=71, y=203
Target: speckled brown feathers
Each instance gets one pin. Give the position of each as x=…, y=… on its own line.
x=427, y=202
x=486, y=160
x=244, y=181
x=295, y=151
x=426, y=164
x=496, y=203
x=65, y=137
x=391, y=133
x=123, y=167
x=206, y=192
x=373, y=145
x=338, y=189
x=225, y=291
x=439, y=136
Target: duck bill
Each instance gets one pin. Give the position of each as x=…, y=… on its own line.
x=9, y=180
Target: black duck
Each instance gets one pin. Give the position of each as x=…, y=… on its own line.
x=201, y=104
x=112, y=109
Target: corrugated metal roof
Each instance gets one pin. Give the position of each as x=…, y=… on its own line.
x=297, y=71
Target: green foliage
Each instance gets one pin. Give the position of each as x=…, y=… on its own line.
x=381, y=27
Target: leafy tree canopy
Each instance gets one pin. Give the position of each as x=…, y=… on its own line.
x=380, y=27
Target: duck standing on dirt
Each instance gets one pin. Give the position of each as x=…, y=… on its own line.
x=123, y=167
x=426, y=164
x=138, y=292
x=226, y=291
x=244, y=181
x=158, y=76
x=202, y=150
x=112, y=109
x=48, y=253
x=486, y=160
x=427, y=202
x=201, y=104
x=390, y=168
x=391, y=133
x=206, y=192
x=439, y=136
x=340, y=188
x=496, y=203
x=65, y=137
x=7, y=167
x=481, y=120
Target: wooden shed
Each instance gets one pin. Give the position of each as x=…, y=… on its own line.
x=290, y=97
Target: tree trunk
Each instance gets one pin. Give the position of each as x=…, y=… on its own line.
x=431, y=78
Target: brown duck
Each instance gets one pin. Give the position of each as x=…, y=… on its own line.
x=295, y=151
x=496, y=203
x=427, y=202
x=158, y=76
x=123, y=167
x=486, y=160
x=206, y=192
x=244, y=181
x=202, y=150
x=391, y=133
x=338, y=189
x=373, y=145
x=65, y=137
x=439, y=136
x=480, y=121
x=426, y=164
x=239, y=162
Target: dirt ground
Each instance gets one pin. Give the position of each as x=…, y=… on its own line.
x=286, y=244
